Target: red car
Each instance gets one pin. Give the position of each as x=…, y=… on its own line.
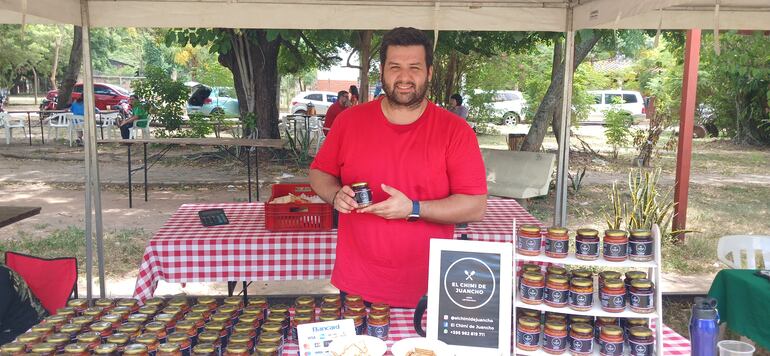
x=106, y=94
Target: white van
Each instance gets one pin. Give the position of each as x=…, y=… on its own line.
x=632, y=101
x=507, y=105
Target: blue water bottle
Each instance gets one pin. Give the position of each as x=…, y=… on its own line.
x=704, y=327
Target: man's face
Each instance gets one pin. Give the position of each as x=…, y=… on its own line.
x=344, y=100
x=452, y=102
x=405, y=75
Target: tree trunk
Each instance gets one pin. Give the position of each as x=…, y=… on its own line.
x=364, y=52
x=449, y=79
x=34, y=84
x=73, y=69
x=557, y=62
x=553, y=94
x=55, y=64
x=253, y=60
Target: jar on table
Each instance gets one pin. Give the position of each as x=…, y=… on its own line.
x=114, y=319
x=173, y=310
x=204, y=349
x=67, y=312
x=76, y=350
x=136, y=350
x=210, y=338
x=300, y=319
x=79, y=305
x=106, y=350
x=527, y=267
x=230, y=310
x=180, y=302
x=95, y=312
x=158, y=328
x=270, y=339
x=209, y=302
x=234, y=301
x=182, y=340
x=629, y=323
x=150, y=342
x=581, y=294
x=268, y=349
x=640, y=246
x=169, y=349
x=119, y=339
x=124, y=312
x=305, y=310
x=353, y=299
x=250, y=319
x=381, y=307
x=203, y=310
x=283, y=321
x=238, y=338
x=279, y=309
x=555, y=337
x=56, y=321
x=587, y=244
x=130, y=303
x=104, y=328
x=641, y=342
x=13, y=349
x=149, y=310
x=156, y=302
x=528, y=334
x=105, y=303
x=581, y=340
x=556, y=291
x=197, y=319
x=582, y=273
x=73, y=330
x=218, y=328
x=304, y=300
x=333, y=299
x=84, y=321
x=225, y=319
x=272, y=327
x=44, y=349
x=133, y=329
x=557, y=242
x=329, y=308
x=260, y=302
x=328, y=316
x=603, y=321
x=532, y=288
x=611, y=341
x=256, y=310
x=60, y=340
x=91, y=339
x=613, y=296
x=528, y=240
x=630, y=276
x=378, y=325
x=607, y=275
x=358, y=321
x=615, y=245
x=44, y=329
x=642, y=294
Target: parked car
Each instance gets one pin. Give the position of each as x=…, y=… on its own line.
x=508, y=105
x=207, y=100
x=631, y=101
x=104, y=94
x=322, y=100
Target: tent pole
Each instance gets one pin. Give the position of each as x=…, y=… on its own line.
x=560, y=213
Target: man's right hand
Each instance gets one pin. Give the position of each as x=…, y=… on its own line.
x=344, y=200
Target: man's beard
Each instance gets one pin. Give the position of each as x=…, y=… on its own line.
x=410, y=100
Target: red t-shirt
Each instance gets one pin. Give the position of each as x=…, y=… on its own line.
x=438, y=155
x=331, y=114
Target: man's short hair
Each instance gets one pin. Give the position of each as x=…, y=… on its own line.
x=458, y=98
x=341, y=93
x=406, y=36
x=134, y=96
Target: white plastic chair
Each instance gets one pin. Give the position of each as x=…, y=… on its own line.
x=8, y=123
x=317, y=132
x=145, y=130
x=58, y=121
x=108, y=122
x=76, y=124
x=737, y=245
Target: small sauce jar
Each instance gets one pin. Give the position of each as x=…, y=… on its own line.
x=527, y=267
x=72, y=330
x=156, y=302
x=135, y=350
x=106, y=350
x=132, y=304
x=358, y=321
x=581, y=339
x=187, y=327
x=602, y=322
x=104, y=328
x=132, y=329
x=279, y=309
x=250, y=319
x=528, y=240
x=149, y=310
x=557, y=242
x=114, y=319
x=268, y=349
x=642, y=298
x=532, y=288
x=181, y=303
x=528, y=334
x=44, y=329
x=84, y=321
x=119, y=339
x=218, y=328
x=158, y=328
x=328, y=316
x=587, y=244
x=60, y=340
x=210, y=338
x=210, y=302
x=378, y=325
x=381, y=307
x=581, y=294
x=94, y=312
x=202, y=309
x=236, y=302
x=333, y=299
x=150, y=342
x=328, y=308
x=582, y=273
x=13, y=349
x=581, y=319
x=44, y=349
x=640, y=341
x=272, y=327
x=90, y=339
x=196, y=318
x=615, y=245
x=57, y=321
x=611, y=343
x=555, y=337
x=122, y=311
x=556, y=292
x=182, y=340
x=630, y=276
x=304, y=309
x=67, y=312
x=79, y=305
x=76, y=350
x=241, y=339
x=304, y=300
x=255, y=310
x=363, y=195
x=169, y=349
x=204, y=349
x=613, y=296
x=607, y=275
x=299, y=319
x=640, y=246
x=105, y=303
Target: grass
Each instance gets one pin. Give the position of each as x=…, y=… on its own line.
x=123, y=248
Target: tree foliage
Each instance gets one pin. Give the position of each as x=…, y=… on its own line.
x=164, y=99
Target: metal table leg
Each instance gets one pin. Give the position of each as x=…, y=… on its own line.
x=145, y=171
x=248, y=170
x=256, y=169
x=29, y=123
x=40, y=117
x=130, y=188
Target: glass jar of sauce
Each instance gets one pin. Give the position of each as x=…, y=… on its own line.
x=561, y=271
x=613, y=296
x=363, y=195
x=582, y=273
x=56, y=321
x=72, y=330
x=358, y=321
x=528, y=240
x=581, y=339
x=204, y=349
x=241, y=339
x=158, y=328
x=556, y=291
x=78, y=304
x=94, y=312
x=611, y=343
x=378, y=325
x=528, y=334
x=149, y=310
x=555, y=337
x=557, y=242
x=44, y=349
x=104, y=328
x=630, y=276
x=602, y=322
x=532, y=288
x=132, y=304
x=114, y=319
x=44, y=329
x=642, y=296
x=587, y=244
x=106, y=350
x=135, y=350
x=210, y=302
x=607, y=275
x=182, y=340
x=91, y=339
x=640, y=341
x=333, y=299
x=210, y=338
x=77, y=350
x=150, y=341
x=615, y=245
x=156, y=302
x=640, y=246
x=60, y=340
x=181, y=303
x=581, y=294
x=13, y=349
x=67, y=312
x=132, y=329
x=169, y=349
x=268, y=349
x=119, y=339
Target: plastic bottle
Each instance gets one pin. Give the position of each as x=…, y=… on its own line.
x=704, y=327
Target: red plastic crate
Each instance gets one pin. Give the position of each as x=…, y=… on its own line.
x=296, y=216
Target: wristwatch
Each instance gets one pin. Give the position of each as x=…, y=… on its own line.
x=415, y=214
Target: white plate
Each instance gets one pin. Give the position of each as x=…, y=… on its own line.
x=373, y=346
x=401, y=347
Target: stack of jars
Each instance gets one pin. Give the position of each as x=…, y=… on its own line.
x=557, y=334
x=616, y=246
x=374, y=322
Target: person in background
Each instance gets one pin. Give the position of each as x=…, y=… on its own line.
x=456, y=106
x=138, y=113
x=19, y=308
x=342, y=103
x=77, y=109
x=353, y=95
x=310, y=110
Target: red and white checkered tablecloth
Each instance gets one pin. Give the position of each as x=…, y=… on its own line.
x=401, y=327
x=183, y=250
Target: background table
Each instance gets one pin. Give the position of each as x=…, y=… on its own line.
x=12, y=214
x=743, y=301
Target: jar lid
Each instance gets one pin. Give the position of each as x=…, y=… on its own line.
x=82, y=320
x=253, y=310
x=233, y=301
x=118, y=338
x=257, y=300
x=606, y=320
x=66, y=311
x=328, y=317
x=178, y=337
x=532, y=276
x=13, y=347
x=641, y=283
x=555, y=316
x=529, y=322
x=358, y=308
x=199, y=308
x=640, y=233
x=359, y=185
x=270, y=337
x=243, y=327
x=155, y=326
x=154, y=301
x=528, y=267
x=223, y=317
x=214, y=326
x=208, y=336
x=582, y=273
x=204, y=348
x=206, y=300
x=58, y=338
x=640, y=331
x=557, y=230
x=531, y=228
x=55, y=319
x=276, y=318
x=303, y=318
x=353, y=298
x=75, y=348
x=580, y=319
x=169, y=347
x=556, y=270
x=101, y=326
x=636, y=321
x=104, y=302
x=303, y=309
x=165, y=317
x=631, y=275
x=77, y=302
x=329, y=307
x=45, y=347
x=352, y=315
x=612, y=330
x=89, y=337
x=582, y=282
x=555, y=324
x=529, y=312
x=29, y=337
x=70, y=328
x=249, y=318
x=111, y=318
x=103, y=349
x=279, y=308
x=134, y=349
x=609, y=275
x=172, y=309
x=130, y=327
x=240, y=337
x=43, y=328
x=267, y=347
x=557, y=278
x=121, y=310
x=613, y=283
x=333, y=298
x=379, y=316
x=582, y=328
x=93, y=311
x=304, y=300
x=272, y=327
x=194, y=316
x=615, y=233
x=587, y=232
x=147, y=338
x=127, y=302
x=148, y=310
x=178, y=302
x=380, y=307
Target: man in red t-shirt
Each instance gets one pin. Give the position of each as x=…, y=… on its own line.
x=423, y=165
x=342, y=103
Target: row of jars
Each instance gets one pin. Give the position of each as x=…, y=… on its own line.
x=616, y=246
x=559, y=288
x=557, y=334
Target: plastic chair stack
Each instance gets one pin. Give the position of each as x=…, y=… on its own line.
x=8, y=123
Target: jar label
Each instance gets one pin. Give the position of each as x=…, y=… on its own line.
x=528, y=243
x=611, y=349
x=641, y=348
x=363, y=196
x=581, y=299
x=581, y=345
x=554, y=343
x=615, y=250
x=531, y=293
x=527, y=338
x=361, y=329
x=587, y=248
x=378, y=331
x=641, y=300
x=556, y=296
x=640, y=248
x=610, y=301
x=556, y=246
x=185, y=350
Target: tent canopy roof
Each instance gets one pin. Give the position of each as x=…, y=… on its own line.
x=480, y=15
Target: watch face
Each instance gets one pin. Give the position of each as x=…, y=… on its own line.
x=412, y=218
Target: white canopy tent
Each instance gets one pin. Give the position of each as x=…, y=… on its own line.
x=439, y=15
